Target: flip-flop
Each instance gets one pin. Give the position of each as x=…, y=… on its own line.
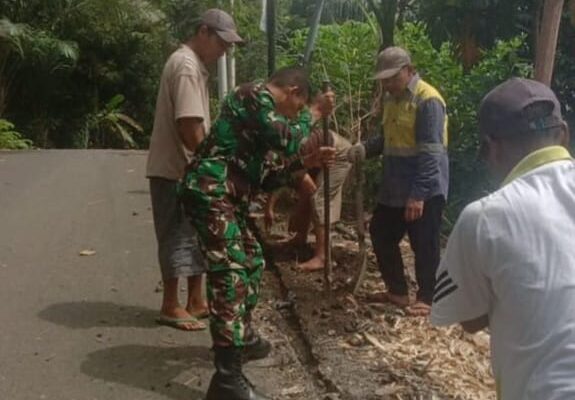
x=180, y=323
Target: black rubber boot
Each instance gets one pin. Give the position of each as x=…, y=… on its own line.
x=255, y=347
x=229, y=383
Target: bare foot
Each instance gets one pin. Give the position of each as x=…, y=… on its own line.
x=315, y=264
x=387, y=297
x=419, y=309
x=179, y=318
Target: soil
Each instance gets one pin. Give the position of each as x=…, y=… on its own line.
x=361, y=350
x=289, y=361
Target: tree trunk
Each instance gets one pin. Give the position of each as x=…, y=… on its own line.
x=389, y=11
x=468, y=46
x=386, y=15
x=547, y=40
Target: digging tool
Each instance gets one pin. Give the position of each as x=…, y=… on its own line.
x=360, y=227
x=327, y=141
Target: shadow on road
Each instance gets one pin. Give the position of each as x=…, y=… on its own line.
x=139, y=191
x=87, y=314
x=174, y=372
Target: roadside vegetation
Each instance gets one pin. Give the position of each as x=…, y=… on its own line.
x=84, y=73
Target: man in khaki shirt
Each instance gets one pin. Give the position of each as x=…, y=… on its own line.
x=182, y=119
x=310, y=206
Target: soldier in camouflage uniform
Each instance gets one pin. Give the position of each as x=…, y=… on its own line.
x=253, y=145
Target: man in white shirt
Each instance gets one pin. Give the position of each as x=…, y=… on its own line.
x=182, y=119
x=510, y=260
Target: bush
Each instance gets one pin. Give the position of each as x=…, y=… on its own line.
x=344, y=55
x=10, y=139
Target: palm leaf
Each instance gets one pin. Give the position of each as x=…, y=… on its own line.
x=124, y=134
x=68, y=50
x=14, y=35
x=130, y=121
x=115, y=102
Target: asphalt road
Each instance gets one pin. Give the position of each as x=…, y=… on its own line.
x=82, y=327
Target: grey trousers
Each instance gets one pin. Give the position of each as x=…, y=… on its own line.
x=179, y=252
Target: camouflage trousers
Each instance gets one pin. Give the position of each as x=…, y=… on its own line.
x=234, y=257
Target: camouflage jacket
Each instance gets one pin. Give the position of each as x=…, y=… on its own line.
x=250, y=144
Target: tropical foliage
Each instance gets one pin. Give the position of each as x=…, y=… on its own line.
x=345, y=55
x=84, y=73
x=62, y=62
x=10, y=139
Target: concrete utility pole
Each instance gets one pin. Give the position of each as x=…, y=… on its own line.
x=231, y=59
x=222, y=76
x=226, y=67
x=547, y=40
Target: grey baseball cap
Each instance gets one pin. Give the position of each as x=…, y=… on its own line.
x=518, y=106
x=223, y=23
x=390, y=61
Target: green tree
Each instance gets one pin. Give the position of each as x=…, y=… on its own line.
x=386, y=12
x=32, y=65
x=473, y=25
x=120, y=47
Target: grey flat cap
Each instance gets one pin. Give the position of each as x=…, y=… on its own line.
x=390, y=61
x=223, y=23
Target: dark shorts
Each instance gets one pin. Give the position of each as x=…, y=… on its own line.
x=179, y=253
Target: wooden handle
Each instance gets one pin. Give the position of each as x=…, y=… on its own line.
x=327, y=140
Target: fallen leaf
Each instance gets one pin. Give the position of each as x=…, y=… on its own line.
x=293, y=390
x=389, y=390
x=371, y=339
x=356, y=340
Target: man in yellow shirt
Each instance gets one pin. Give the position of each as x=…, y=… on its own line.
x=415, y=178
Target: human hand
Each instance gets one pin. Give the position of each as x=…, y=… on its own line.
x=413, y=210
x=322, y=157
x=356, y=153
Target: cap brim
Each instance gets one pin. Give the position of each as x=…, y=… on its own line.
x=387, y=73
x=230, y=36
